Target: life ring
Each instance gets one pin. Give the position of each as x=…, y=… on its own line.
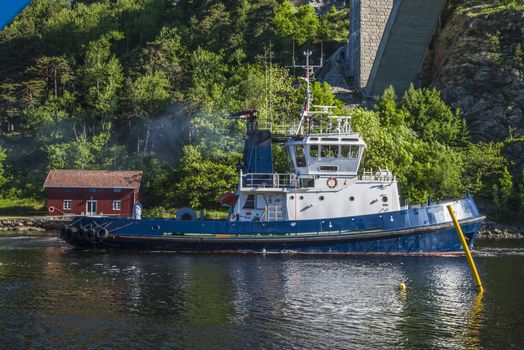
x=51, y=209
x=331, y=182
x=102, y=234
x=233, y=217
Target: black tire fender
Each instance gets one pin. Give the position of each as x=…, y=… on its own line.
x=102, y=234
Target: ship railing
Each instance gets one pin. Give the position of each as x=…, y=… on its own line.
x=272, y=213
x=382, y=175
x=276, y=180
x=330, y=125
x=313, y=125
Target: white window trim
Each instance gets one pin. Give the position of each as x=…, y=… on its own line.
x=70, y=204
x=119, y=205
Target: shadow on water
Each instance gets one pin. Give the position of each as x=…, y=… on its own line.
x=53, y=296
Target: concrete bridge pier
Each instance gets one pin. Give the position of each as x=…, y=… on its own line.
x=388, y=42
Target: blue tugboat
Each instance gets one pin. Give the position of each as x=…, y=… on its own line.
x=322, y=206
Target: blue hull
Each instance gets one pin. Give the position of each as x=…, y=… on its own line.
x=424, y=230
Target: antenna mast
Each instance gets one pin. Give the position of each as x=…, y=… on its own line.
x=308, y=77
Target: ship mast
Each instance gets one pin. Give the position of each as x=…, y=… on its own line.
x=308, y=77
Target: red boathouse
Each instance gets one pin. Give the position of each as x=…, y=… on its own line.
x=92, y=192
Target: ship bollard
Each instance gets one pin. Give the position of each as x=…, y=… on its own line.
x=466, y=248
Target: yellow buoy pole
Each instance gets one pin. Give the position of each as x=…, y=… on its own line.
x=466, y=248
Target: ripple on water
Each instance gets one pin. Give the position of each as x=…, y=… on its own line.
x=61, y=298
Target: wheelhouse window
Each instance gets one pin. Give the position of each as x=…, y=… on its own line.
x=67, y=204
x=353, y=153
x=329, y=151
x=345, y=151
x=117, y=205
x=313, y=151
x=349, y=151
x=300, y=156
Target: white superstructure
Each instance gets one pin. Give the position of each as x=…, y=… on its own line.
x=324, y=182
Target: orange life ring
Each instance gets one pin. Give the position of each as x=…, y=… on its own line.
x=331, y=182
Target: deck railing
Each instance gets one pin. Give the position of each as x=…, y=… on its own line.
x=328, y=125
x=276, y=180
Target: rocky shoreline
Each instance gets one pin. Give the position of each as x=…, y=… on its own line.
x=492, y=230
x=34, y=224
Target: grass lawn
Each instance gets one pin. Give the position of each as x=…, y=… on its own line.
x=22, y=207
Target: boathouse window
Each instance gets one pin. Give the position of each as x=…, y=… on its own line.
x=92, y=190
x=313, y=151
x=117, y=205
x=67, y=204
x=329, y=151
x=68, y=190
x=300, y=156
x=117, y=190
x=250, y=202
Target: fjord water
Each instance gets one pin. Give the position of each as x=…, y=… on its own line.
x=54, y=297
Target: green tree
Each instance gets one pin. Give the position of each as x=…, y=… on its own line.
x=151, y=92
x=390, y=115
x=430, y=117
x=484, y=164
x=102, y=75
x=503, y=190
x=200, y=181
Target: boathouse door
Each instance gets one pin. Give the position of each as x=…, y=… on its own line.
x=91, y=208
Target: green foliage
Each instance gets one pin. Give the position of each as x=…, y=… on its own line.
x=200, y=182
x=10, y=207
x=483, y=165
x=102, y=74
x=151, y=92
x=430, y=117
x=3, y=157
x=503, y=189
x=521, y=194
x=424, y=168
x=106, y=84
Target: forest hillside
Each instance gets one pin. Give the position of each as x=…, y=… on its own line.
x=143, y=84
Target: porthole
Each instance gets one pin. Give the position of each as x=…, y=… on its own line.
x=301, y=197
x=321, y=198
x=291, y=197
x=352, y=198
x=384, y=199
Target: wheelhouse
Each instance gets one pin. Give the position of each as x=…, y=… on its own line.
x=326, y=155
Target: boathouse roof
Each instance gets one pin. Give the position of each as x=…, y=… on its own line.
x=93, y=178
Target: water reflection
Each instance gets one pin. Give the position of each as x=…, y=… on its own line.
x=51, y=296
